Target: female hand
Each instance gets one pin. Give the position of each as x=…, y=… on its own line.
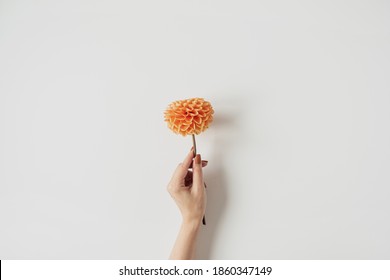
x=188, y=190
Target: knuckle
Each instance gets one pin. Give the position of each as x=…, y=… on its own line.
x=171, y=189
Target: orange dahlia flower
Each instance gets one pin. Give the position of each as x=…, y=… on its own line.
x=189, y=116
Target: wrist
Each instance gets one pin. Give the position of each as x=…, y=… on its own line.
x=193, y=224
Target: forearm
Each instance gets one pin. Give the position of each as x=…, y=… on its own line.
x=184, y=248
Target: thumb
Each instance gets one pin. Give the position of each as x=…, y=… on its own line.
x=197, y=179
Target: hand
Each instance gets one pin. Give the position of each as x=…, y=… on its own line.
x=188, y=190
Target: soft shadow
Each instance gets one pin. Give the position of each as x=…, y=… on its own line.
x=215, y=180
x=216, y=201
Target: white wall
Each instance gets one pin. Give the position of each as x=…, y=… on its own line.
x=299, y=153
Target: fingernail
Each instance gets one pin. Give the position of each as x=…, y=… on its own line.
x=192, y=148
x=198, y=160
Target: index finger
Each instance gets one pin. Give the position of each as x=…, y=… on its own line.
x=182, y=169
x=188, y=159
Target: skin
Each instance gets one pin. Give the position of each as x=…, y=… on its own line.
x=187, y=189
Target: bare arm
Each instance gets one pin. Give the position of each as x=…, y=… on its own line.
x=187, y=189
x=184, y=248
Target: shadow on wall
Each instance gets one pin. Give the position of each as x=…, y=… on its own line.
x=216, y=202
x=215, y=179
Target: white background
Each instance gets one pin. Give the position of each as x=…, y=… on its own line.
x=299, y=153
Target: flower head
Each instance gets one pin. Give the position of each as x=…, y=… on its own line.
x=189, y=116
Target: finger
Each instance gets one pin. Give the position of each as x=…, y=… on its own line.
x=204, y=163
x=182, y=169
x=188, y=159
x=197, y=179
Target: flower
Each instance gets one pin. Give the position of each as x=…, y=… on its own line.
x=189, y=116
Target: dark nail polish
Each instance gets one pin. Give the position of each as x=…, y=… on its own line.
x=198, y=160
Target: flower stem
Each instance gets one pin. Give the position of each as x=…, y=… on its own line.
x=194, y=144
